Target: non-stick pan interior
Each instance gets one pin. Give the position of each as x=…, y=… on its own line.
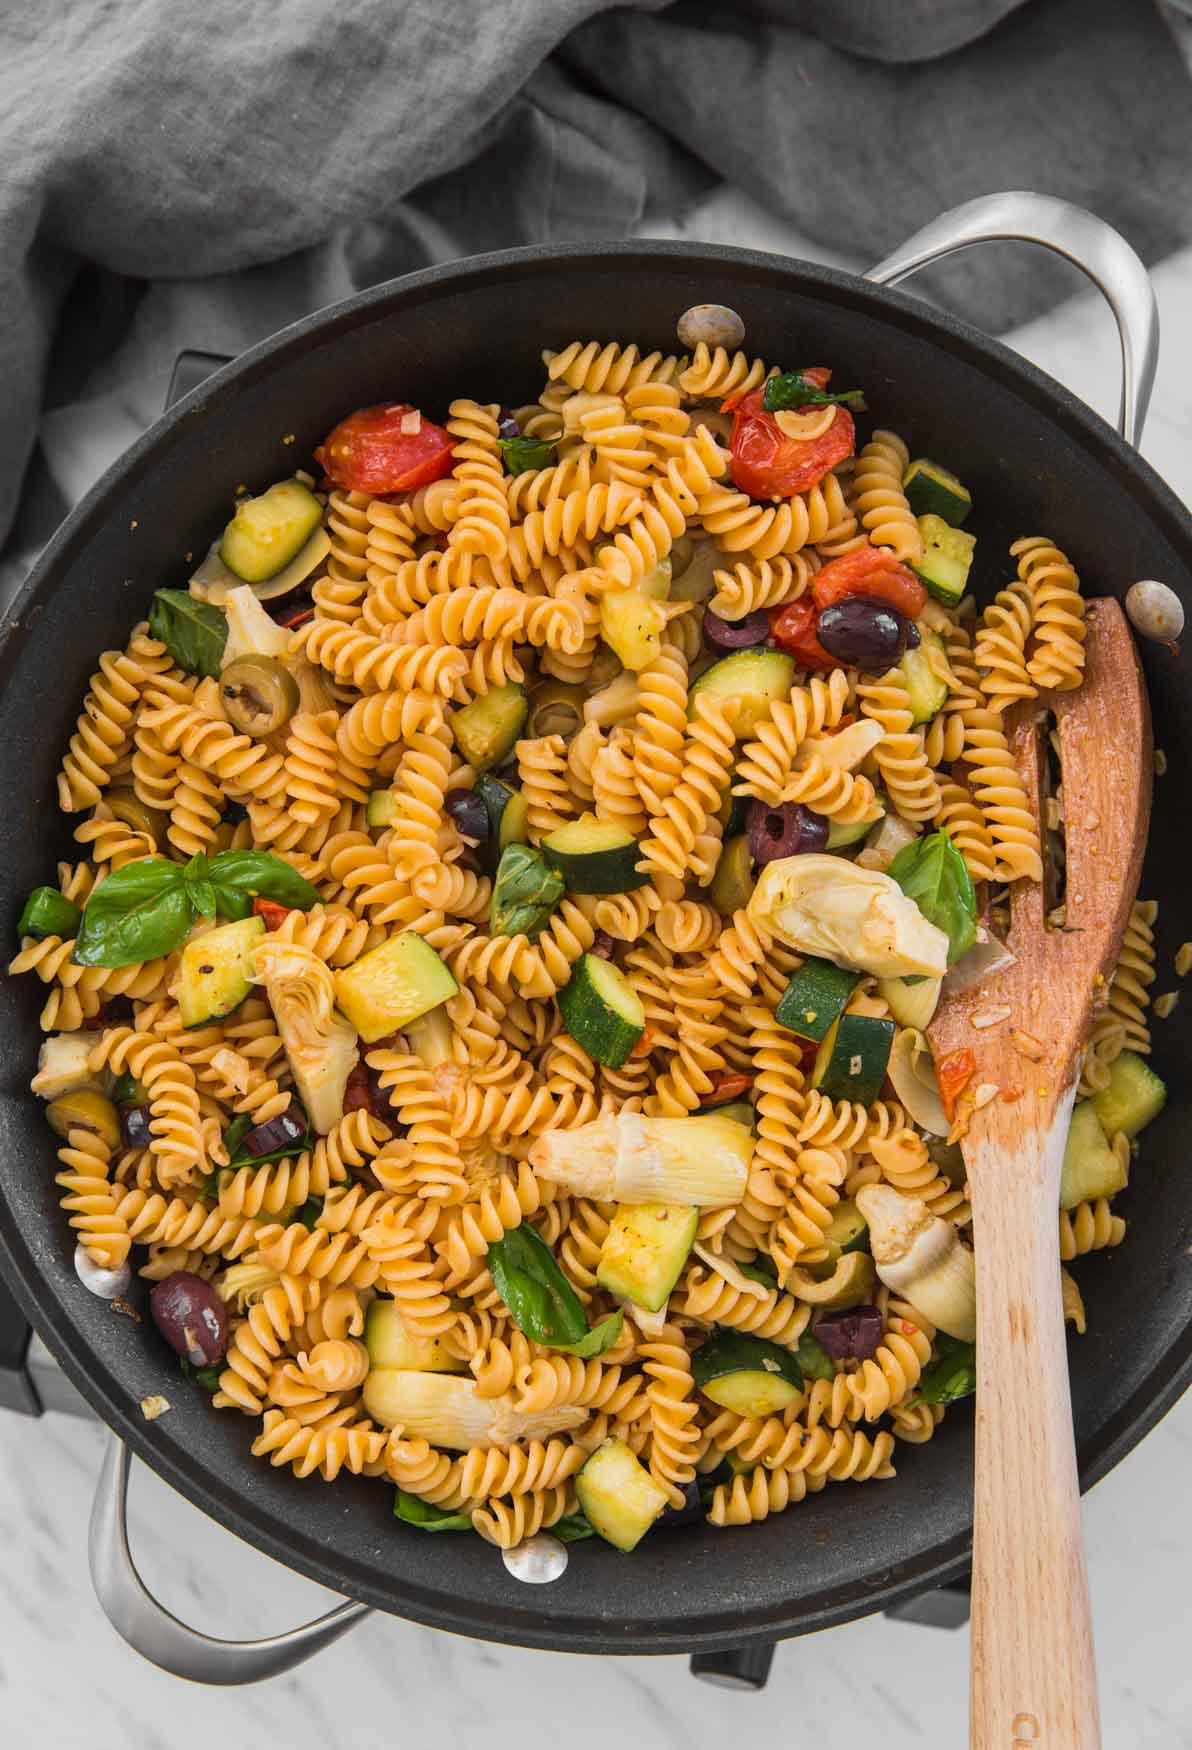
x=1036, y=462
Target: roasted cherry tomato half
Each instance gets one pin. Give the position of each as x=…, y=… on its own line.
x=274, y=915
x=793, y=630
x=766, y=463
x=871, y=571
x=369, y=451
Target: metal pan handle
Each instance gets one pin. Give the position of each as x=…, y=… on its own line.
x=1081, y=238
x=151, y=1630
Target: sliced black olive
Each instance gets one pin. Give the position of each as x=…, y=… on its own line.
x=265, y=1139
x=864, y=632
x=853, y=1335
x=736, y=634
x=789, y=830
x=468, y=812
x=135, y=1131
x=191, y=1317
x=259, y=694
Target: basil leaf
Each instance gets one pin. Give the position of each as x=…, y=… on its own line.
x=193, y=632
x=792, y=389
x=47, y=912
x=757, y=1272
x=572, y=1528
x=599, y=1338
x=525, y=893
x=951, y=1373
x=541, y=1301
x=126, y=1092
x=234, y=1135
x=207, y=1377
x=524, y=455
x=238, y=877
x=136, y=913
x=279, y=1154
x=814, y=1360
x=412, y=1510
x=202, y=897
x=932, y=872
x=310, y=1212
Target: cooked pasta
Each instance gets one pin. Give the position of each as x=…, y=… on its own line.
x=488, y=942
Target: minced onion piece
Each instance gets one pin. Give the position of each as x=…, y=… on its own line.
x=986, y=956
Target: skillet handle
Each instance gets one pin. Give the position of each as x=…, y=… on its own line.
x=151, y=1630
x=1080, y=237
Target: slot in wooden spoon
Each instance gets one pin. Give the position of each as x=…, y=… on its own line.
x=1033, y=1683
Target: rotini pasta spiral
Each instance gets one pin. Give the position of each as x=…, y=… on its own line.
x=879, y=501
x=1057, y=613
x=900, y=754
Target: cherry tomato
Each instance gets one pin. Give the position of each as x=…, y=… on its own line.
x=871, y=571
x=954, y=1073
x=793, y=630
x=727, y=1087
x=768, y=464
x=274, y=915
x=369, y=452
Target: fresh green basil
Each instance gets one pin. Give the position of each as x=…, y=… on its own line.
x=207, y=1377
x=310, y=1212
x=193, y=632
x=299, y=1146
x=814, y=1360
x=412, y=1510
x=47, y=912
x=572, y=1528
x=136, y=913
x=126, y=1092
x=951, y=1373
x=792, y=389
x=239, y=877
x=234, y=1135
x=541, y=1301
x=932, y=872
x=525, y=455
x=525, y=893
x=602, y=1336
x=757, y=1271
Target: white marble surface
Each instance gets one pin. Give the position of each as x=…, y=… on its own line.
x=66, y=1682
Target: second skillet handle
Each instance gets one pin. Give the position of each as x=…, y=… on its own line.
x=1081, y=238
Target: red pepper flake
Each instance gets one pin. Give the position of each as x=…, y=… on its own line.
x=644, y=1045
x=274, y=915
x=954, y=1072
x=726, y=1087
x=1009, y=1095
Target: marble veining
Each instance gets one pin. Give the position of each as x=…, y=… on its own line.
x=67, y=1682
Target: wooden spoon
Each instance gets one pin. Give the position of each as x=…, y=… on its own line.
x=1033, y=1681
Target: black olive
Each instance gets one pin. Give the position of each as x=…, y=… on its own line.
x=191, y=1317
x=467, y=810
x=736, y=634
x=507, y=426
x=854, y=1335
x=134, y=1127
x=864, y=632
x=690, y=1512
x=789, y=830
x=265, y=1139
x=603, y=945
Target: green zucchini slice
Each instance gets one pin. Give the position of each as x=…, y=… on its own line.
x=852, y=1059
x=933, y=491
x=925, y=690
x=814, y=999
x=746, y=1374
x=267, y=532
x=508, y=813
x=733, y=881
x=486, y=730
x=594, y=856
x=1134, y=1096
x=619, y=1497
x=1091, y=1169
x=644, y=1250
x=947, y=556
x=602, y=1011
x=215, y=974
x=758, y=678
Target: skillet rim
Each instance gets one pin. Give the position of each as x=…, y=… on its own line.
x=1075, y=422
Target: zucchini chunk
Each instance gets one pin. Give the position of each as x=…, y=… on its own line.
x=739, y=1111
x=391, y=985
x=47, y=912
x=933, y=491
x=619, y=1497
x=215, y=974
x=1134, y=1096
x=924, y=688
x=390, y=1343
x=746, y=1374
x=267, y=532
x=508, y=813
x=814, y=999
x=758, y=678
x=847, y=1231
x=381, y=808
x=594, y=856
x=631, y=624
x=486, y=730
x=644, y=1250
x=602, y=1011
x=852, y=1059
x=1091, y=1169
x=947, y=556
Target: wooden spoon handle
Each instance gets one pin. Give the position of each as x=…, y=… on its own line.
x=1034, y=1684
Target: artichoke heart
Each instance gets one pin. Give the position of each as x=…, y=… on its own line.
x=859, y=918
x=627, y=1158
x=320, y=1044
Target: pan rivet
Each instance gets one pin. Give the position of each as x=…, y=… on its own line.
x=1155, y=610
x=536, y=1561
x=713, y=324
x=108, y=1284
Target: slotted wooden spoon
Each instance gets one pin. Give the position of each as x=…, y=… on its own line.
x=1033, y=1684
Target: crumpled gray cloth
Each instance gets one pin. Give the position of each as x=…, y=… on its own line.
x=178, y=175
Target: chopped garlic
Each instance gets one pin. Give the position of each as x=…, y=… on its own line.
x=991, y=1017
x=1026, y=1044
x=985, y=1093
x=153, y=1407
x=233, y=1066
x=411, y=423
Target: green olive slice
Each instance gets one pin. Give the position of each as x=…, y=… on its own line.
x=85, y=1110
x=556, y=708
x=124, y=804
x=259, y=694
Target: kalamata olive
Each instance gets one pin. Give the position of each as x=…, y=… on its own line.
x=364, y=1089
x=1155, y=610
x=852, y=1335
x=259, y=694
x=233, y=813
x=789, y=830
x=736, y=634
x=191, y=1317
x=507, y=426
x=603, y=945
x=863, y=632
x=265, y=1139
x=713, y=324
x=115, y=1012
x=134, y=1127
x=690, y=1512
x=467, y=811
